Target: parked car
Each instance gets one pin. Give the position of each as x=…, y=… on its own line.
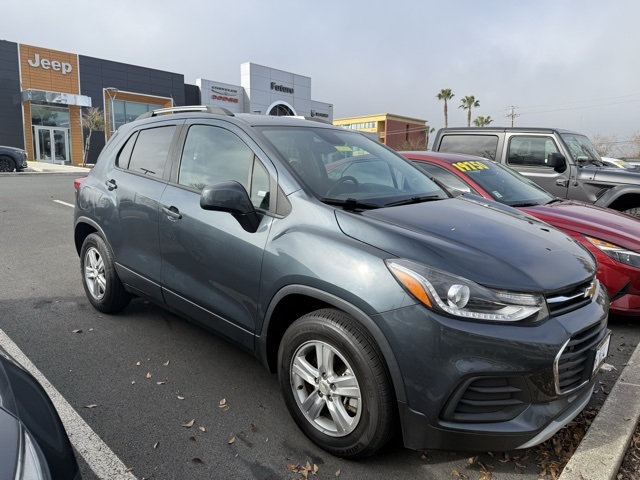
x=12, y=159
x=564, y=163
x=33, y=441
x=618, y=163
x=612, y=237
x=378, y=298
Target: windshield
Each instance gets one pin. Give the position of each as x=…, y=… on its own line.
x=340, y=166
x=581, y=149
x=503, y=184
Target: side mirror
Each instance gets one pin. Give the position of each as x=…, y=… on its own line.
x=231, y=197
x=557, y=162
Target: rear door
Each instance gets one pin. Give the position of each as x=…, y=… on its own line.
x=211, y=266
x=135, y=182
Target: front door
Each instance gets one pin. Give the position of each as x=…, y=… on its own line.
x=51, y=144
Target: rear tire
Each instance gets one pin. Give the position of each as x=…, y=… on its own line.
x=99, y=278
x=336, y=385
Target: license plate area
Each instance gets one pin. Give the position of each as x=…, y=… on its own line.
x=601, y=354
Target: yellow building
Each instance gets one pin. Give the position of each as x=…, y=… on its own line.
x=394, y=131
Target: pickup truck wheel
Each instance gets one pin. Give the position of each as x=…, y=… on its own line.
x=633, y=211
x=99, y=278
x=336, y=385
x=6, y=164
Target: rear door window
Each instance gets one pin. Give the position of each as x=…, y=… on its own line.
x=149, y=153
x=478, y=145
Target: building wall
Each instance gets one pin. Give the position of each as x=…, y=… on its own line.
x=129, y=83
x=11, y=130
x=392, y=130
x=52, y=71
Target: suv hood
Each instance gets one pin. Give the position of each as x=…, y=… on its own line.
x=602, y=223
x=481, y=240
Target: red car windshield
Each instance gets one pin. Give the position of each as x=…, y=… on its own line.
x=501, y=183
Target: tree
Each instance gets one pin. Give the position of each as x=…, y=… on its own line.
x=481, y=121
x=467, y=103
x=445, y=94
x=413, y=144
x=93, y=120
x=605, y=145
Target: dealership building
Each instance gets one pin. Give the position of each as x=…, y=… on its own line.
x=44, y=94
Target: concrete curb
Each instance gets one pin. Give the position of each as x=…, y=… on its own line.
x=602, y=449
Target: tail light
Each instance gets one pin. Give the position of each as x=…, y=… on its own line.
x=77, y=182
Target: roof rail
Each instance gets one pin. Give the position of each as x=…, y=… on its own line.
x=313, y=119
x=192, y=108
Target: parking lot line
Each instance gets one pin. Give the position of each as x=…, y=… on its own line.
x=104, y=463
x=64, y=203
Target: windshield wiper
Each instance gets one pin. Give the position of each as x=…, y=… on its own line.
x=409, y=201
x=350, y=204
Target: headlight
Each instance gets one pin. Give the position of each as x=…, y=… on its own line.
x=617, y=253
x=460, y=297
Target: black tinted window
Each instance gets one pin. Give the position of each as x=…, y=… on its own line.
x=124, y=157
x=150, y=152
x=212, y=155
x=479, y=145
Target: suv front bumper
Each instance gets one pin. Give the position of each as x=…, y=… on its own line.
x=489, y=386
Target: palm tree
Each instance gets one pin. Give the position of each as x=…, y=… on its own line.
x=481, y=121
x=445, y=94
x=467, y=103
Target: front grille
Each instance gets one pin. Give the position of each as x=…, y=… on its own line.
x=568, y=300
x=494, y=399
x=575, y=361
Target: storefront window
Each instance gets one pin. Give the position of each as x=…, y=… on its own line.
x=49, y=116
x=124, y=112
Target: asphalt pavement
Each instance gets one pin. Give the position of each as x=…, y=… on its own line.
x=602, y=449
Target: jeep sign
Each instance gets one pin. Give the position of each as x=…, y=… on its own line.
x=47, y=64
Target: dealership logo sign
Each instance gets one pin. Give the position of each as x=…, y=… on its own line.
x=224, y=94
x=281, y=88
x=47, y=64
x=319, y=114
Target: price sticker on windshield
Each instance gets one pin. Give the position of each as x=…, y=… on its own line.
x=467, y=166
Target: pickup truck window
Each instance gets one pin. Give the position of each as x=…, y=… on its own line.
x=530, y=151
x=479, y=145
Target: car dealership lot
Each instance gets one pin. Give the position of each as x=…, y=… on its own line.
x=139, y=378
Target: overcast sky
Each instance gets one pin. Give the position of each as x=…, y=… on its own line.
x=570, y=64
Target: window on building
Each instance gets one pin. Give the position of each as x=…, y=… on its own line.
x=124, y=112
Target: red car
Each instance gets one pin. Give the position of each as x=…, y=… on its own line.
x=612, y=237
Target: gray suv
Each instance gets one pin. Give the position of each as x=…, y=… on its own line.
x=380, y=301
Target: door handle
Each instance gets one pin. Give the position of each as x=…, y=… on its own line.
x=172, y=212
x=563, y=182
x=111, y=184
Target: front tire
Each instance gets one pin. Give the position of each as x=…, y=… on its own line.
x=6, y=164
x=99, y=278
x=336, y=385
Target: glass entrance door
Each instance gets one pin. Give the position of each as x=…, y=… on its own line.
x=51, y=144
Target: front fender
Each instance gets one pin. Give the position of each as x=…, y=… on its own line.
x=340, y=304
x=617, y=192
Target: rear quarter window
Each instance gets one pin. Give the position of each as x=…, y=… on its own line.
x=479, y=145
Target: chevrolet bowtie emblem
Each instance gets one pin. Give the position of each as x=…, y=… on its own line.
x=590, y=290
